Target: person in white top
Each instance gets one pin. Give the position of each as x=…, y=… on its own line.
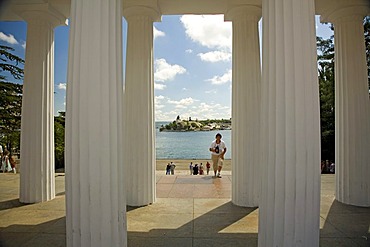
x=5, y=163
x=218, y=150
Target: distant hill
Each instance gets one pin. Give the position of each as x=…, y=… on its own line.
x=179, y=125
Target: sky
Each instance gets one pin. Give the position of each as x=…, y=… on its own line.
x=192, y=64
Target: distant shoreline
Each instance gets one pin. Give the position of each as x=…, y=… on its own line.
x=180, y=125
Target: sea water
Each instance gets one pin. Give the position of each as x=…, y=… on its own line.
x=188, y=144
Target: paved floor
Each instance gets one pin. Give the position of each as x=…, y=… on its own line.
x=190, y=211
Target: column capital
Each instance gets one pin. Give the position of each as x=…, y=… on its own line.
x=342, y=13
x=42, y=11
x=251, y=11
x=133, y=11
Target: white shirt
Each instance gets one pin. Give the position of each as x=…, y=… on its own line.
x=220, y=145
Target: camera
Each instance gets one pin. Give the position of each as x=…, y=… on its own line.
x=217, y=149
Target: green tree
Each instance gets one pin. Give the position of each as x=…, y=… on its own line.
x=325, y=61
x=10, y=63
x=10, y=98
x=59, y=133
x=327, y=96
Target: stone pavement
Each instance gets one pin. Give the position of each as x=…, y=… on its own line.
x=190, y=211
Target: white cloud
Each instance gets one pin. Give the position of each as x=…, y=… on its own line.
x=212, y=111
x=213, y=91
x=8, y=38
x=218, y=80
x=62, y=86
x=189, y=51
x=181, y=107
x=208, y=30
x=183, y=102
x=195, y=111
x=158, y=102
x=159, y=106
x=165, y=71
x=159, y=86
x=24, y=44
x=204, y=111
x=157, y=33
x=215, y=56
x=184, y=89
x=158, y=99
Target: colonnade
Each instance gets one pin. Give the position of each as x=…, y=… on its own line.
x=276, y=133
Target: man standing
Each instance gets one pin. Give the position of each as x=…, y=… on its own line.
x=191, y=168
x=172, y=168
x=218, y=149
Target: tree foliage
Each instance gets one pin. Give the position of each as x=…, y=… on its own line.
x=325, y=62
x=59, y=130
x=10, y=63
x=10, y=98
x=326, y=71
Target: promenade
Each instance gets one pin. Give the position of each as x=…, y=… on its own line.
x=190, y=211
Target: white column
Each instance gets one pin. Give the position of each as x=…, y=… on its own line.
x=95, y=188
x=139, y=129
x=352, y=107
x=246, y=105
x=37, y=131
x=290, y=198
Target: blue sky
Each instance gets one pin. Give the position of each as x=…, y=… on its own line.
x=192, y=64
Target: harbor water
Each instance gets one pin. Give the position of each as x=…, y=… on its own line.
x=188, y=144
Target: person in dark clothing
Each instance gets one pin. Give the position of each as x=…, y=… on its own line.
x=168, y=169
x=195, y=169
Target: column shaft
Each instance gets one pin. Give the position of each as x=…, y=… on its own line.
x=290, y=199
x=37, y=132
x=139, y=112
x=95, y=188
x=246, y=102
x=352, y=113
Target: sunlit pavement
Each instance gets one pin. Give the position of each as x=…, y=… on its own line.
x=190, y=211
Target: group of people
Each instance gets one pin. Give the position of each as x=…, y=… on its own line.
x=195, y=169
x=217, y=149
x=7, y=162
x=327, y=167
x=170, y=169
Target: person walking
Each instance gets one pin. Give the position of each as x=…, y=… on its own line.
x=218, y=150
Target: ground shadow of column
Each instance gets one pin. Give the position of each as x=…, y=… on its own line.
x=50, y=233
x=345, y=225
x=226, y=225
